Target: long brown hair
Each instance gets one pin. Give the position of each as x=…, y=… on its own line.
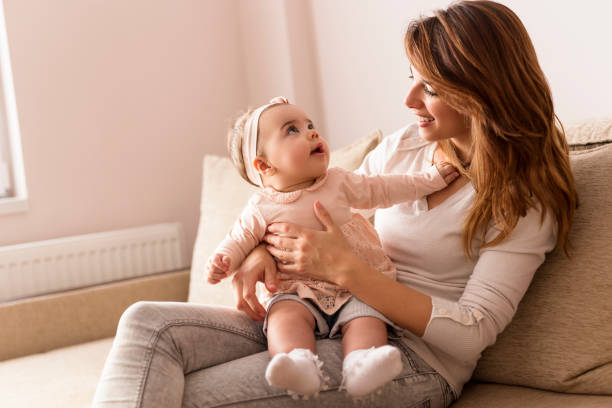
x=479, y=59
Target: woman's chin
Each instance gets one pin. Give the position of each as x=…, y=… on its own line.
x=428, y=134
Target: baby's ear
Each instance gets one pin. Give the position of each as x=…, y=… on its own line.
x=263, y=166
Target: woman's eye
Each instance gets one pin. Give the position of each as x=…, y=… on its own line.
x=429, y=92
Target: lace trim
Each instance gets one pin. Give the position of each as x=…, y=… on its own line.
x=282, y=197
x=329, y=297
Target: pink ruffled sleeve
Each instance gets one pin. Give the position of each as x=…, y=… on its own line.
x=385, y=190
x=246, y=234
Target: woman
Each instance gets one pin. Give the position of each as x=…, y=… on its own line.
x=465, y=255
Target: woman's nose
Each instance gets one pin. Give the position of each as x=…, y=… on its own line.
x=411, y=100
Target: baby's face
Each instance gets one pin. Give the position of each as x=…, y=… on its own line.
x=292, y=145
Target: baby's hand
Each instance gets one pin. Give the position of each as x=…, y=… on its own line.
x=447, y=171
x=217, y=267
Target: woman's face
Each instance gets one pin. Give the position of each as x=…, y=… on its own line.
x=437, y=120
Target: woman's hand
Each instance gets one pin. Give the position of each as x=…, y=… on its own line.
x=258, y=266
x=324, y=255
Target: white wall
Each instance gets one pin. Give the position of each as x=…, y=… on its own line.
x=280, y=57
x=363, y=68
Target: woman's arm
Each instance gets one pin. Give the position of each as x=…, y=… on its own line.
x=327, y=256
x=403, y=305
x=462, y=328
x=491, y=296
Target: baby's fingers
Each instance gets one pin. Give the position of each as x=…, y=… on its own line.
x=445, y=168
x=216, y=276
x=222, y=262
x=450, y=177
x=447, y=171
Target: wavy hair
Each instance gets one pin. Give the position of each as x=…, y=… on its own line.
x=479, y=58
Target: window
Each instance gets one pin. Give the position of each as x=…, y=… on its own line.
x=13, y=192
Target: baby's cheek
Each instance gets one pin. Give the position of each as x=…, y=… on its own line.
x=297, y=159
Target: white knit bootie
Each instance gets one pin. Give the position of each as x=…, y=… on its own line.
x=365, y=370
x=298, y=371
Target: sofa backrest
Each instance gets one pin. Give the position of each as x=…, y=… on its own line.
x=561, y=336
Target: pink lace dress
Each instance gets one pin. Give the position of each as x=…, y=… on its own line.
x=339, y=191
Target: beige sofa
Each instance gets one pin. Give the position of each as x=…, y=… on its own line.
x=557, y=352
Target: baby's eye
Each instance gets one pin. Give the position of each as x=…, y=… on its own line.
x=311, y=126
x=292, y=129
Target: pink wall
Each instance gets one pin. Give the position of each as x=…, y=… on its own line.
x=118, y=102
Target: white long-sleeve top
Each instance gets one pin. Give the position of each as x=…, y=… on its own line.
x=473, y=299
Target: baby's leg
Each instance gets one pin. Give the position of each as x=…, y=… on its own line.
x=369, y=362
x=363, y=333
x=290, y=326
x=291, y=343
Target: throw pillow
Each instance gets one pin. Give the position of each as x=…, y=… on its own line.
x=224, y=194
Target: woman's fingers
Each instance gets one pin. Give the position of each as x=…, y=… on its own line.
x=280, y=242
x=323, y=216
x=244, y=303
x=285, y=228
x=270, y=278
x=288, y=268
x=280, y=254
x=250, y=295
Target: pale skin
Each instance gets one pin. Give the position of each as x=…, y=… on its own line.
x=326, y=255
x=294, y=156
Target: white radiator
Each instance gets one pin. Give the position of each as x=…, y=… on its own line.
x=54, y=265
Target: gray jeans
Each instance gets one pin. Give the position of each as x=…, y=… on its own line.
x=171, y=354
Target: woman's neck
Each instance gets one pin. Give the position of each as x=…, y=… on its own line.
x=463, y=148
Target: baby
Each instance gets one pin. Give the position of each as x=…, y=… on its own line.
x=277, y=148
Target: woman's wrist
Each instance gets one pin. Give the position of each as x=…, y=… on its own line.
x=348, y=270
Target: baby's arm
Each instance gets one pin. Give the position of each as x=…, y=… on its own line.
x=245, y=235
x=385, y=190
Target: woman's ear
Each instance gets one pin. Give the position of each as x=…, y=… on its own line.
x=263, y=166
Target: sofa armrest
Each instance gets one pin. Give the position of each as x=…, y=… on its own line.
x=43, y=323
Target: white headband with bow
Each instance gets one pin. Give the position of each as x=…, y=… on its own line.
x=249, y=142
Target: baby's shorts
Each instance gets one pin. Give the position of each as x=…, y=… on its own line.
x=330, y=325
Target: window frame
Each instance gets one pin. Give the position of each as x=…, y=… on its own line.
x=17, y=201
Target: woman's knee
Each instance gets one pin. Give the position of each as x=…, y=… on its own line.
x=139, y=314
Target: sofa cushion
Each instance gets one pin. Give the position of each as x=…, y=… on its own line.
x=224, y=194
x=62, y=378
x=589, y=133
x=560, y=338
x=46, y=322
x=479, y=395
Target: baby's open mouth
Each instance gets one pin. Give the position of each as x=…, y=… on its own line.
x=318, y=149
